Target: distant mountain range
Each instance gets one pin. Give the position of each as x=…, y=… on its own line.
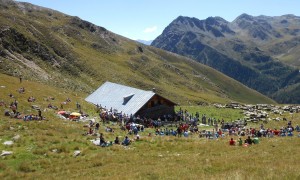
x=261, y=52
x=56, y=49
x=145, y=41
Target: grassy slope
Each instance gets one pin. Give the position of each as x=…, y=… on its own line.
x=286, y=48
x=87, y=59
x=150, y=158
x=291, y=58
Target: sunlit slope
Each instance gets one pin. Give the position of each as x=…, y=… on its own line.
x=58, y=50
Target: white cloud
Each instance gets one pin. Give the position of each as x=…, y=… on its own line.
x=150, y=29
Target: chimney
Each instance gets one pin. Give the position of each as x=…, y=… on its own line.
x=154, y=90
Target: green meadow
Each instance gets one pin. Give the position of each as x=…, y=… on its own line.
x=45, y=148
x=218, y=113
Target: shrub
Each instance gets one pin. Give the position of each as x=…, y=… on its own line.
x=2, y=166
x=39, y=151
x=62, y=148
x=26, y=167
x=97, y=164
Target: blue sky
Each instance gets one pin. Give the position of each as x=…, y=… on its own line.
x=146, y=19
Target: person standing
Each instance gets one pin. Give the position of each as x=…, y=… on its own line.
x=40, y=114
x=216, y=126
x=16, y=104
x=102, y=140
x=97, y=126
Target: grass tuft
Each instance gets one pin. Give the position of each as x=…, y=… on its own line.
x=26, y=167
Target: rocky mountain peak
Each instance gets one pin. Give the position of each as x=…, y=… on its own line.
x=215, y=21
x=244, y=16
x=213, y=26
x=181, y=19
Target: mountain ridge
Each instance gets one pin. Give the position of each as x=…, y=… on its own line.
x=239, y=49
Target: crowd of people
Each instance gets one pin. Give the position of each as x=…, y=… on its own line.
x=188, y=125
x=14, y=106
x=131, y=128
x=284, y=131
x=104, y=143
x=186, y=129
x=246, y=142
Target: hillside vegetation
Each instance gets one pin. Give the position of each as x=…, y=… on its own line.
x=47, y=46
x=260, y=52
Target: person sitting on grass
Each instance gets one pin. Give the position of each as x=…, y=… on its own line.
x=157, y=132
x=248, y=140
x=31, y=99
x=240, y=141
x=2, y=103
x=271, y=134
x=297, y=128
x=282, y=132
x=232, y=142
x=220, y=133
x=102, y=141
x=186, y=134
x=142, y=128
x=91, y=131
x=290, y=133
x=276, y=132
x=6, y=113
x=255, y=140
x=108, y=129
x=117, y=141
x=137, y=138
x=126, y=141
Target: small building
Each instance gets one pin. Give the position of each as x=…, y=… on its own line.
x=130, y=100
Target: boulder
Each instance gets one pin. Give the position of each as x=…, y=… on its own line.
x=54, y=150
x=16, y=137
x=8, y=143
x=6, y=153
x=76, y=153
